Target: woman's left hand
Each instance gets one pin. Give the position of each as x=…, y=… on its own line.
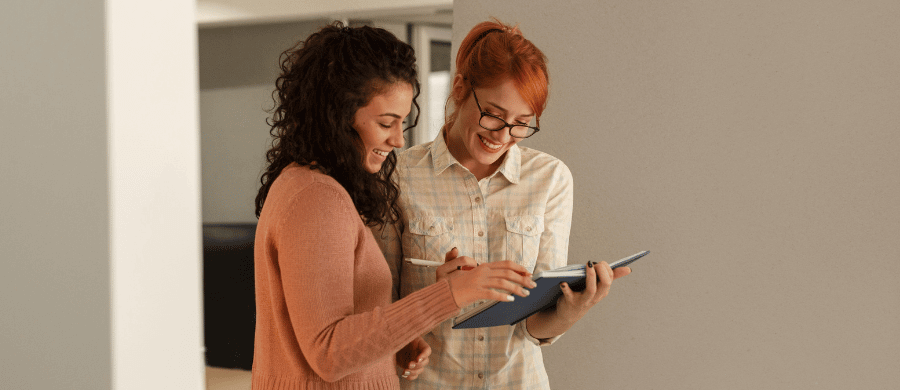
x=574, y=305
x=413, y=358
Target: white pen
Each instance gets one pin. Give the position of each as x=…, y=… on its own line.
x=429, y=263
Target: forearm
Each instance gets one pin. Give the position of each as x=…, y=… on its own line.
x=547, y=324
x=355, y=341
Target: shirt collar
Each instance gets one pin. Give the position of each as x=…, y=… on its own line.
x=442, y=159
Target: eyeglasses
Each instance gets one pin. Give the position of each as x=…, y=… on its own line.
x=495, y=123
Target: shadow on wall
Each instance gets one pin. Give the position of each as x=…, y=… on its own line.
x=229, y=306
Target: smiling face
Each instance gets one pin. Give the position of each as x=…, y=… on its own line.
x=480, y=150
x=380, y=124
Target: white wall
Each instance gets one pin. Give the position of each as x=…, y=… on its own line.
x=99, y=234
x=752, y=148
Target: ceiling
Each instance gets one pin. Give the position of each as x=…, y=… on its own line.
x=217, y=13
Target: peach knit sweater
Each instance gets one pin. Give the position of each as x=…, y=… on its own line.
x=324, y=317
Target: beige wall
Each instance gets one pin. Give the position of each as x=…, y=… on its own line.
x=752, y=148
x=54, y=248
x=99, y=182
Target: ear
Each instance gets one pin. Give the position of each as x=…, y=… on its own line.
x=460, y=88
x=458, y=81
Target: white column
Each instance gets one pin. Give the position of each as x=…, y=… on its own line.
x=154, y=173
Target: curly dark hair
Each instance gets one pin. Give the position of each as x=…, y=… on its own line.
x=324, y=81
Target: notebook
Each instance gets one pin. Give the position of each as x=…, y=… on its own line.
x=545, y=295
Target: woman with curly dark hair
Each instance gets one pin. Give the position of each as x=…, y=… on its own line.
x=323, y=288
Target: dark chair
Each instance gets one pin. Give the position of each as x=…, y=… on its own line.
x=229, y=305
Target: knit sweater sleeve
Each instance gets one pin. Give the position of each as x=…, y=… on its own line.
x=320, y=237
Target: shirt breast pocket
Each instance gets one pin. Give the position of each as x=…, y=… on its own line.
x=429, y=238
x=523, y=238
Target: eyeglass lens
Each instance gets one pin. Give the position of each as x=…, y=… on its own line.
x=493, y=123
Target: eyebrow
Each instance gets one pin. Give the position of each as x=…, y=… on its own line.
x=391, y=114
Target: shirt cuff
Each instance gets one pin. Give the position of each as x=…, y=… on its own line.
x=536, y=341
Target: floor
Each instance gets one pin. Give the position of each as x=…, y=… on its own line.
x=218, y=378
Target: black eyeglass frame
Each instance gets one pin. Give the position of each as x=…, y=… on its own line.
x=533, y=129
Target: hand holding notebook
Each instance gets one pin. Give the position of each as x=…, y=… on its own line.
x=545, y=295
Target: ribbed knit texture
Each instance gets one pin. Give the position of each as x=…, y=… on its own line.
x=324, y=317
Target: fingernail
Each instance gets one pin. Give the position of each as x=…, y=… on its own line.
x=591, y=264
x=405, y=374
x=510, y=298
x=526, y=292
x=563, y=285
x=419, y=361
x=412, y=365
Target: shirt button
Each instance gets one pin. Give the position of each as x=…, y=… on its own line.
x=477, y=199
x=528, y=229
x=480, y=234
x=480, y=338
x=480, y=375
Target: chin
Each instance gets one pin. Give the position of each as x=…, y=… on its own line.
x=490, y=161
x=487, y=158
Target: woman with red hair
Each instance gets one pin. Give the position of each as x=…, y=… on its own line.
x=474, y=191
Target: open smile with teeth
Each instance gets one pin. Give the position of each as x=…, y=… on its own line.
x=489, y=144
x=381, y=152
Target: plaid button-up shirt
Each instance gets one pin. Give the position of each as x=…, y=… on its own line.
x=523, y=212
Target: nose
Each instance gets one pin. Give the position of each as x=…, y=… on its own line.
x=396, y=138
x=503, y=135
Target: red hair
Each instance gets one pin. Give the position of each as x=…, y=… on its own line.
x=493, y=52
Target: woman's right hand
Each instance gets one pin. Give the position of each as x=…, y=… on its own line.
x=494, y=281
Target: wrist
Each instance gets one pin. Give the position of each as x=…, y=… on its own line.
x=556, y=322
x=453, y=293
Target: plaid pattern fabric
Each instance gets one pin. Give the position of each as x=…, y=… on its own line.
x=523, y=212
